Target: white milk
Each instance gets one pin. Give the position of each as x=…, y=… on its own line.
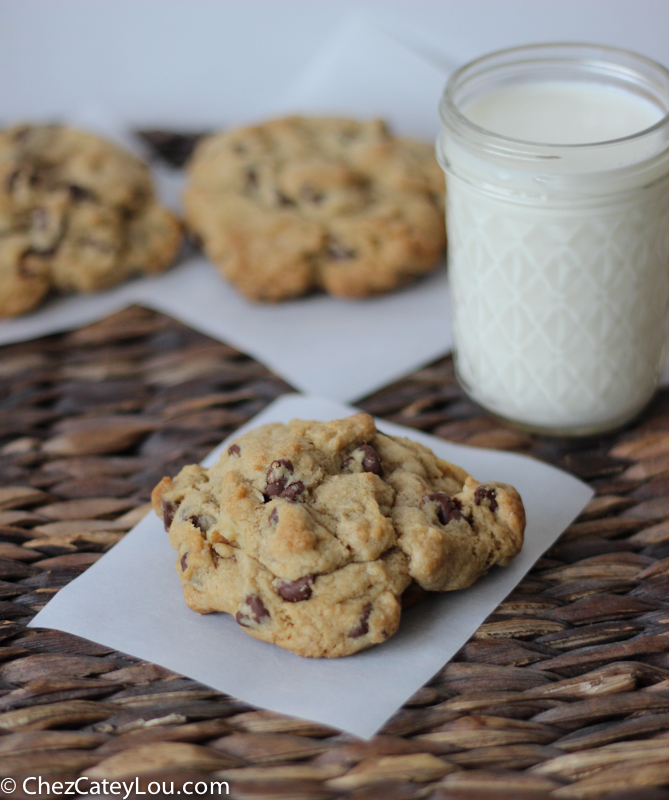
x=562, y=112
x=558, y=255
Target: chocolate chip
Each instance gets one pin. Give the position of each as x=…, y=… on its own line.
x=184, y=559
x=202, y=521
x=371, y=461
x=257, y=611
x=273, y=490
x=310, y=194
x=294, y=591
x=284, y=200
x=486, y=493
x=292, y=490
x=169, y=510
x=279, y=489
x=274, y=516
x=78, y=194
x=140, y=198
x=336, y=250
x=234, y=450
x=447, y=508
x=251, y=178
x=278, y=467
x=277, y=479
x=363, y=623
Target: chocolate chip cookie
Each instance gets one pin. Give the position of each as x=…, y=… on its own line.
x=300, y=204
x=311, y=534
x=77, y=213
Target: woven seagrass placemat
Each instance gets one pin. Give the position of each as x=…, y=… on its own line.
x=563, y=692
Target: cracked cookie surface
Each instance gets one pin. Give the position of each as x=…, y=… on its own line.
x=299, y=204
x=310, y=533
x=77, y=213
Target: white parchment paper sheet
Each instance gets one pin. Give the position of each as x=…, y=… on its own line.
x=131, y=600
x=337, y=348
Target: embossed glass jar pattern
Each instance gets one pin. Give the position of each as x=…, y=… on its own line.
x=558, y=253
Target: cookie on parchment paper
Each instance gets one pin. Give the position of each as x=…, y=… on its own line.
x=77, y=213
x=310, y=533
x=301, y=204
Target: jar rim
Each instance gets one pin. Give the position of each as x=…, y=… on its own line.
x=451, y=116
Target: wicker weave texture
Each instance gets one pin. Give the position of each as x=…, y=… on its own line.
x=563, y=692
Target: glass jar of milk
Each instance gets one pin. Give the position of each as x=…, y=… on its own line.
x=557, y=164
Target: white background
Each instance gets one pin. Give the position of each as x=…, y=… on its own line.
x=198, y=63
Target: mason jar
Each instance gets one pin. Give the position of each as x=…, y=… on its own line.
x=557, y=166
